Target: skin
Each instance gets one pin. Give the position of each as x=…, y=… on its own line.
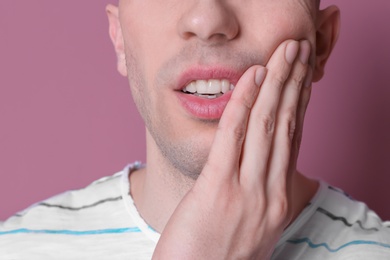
x=224, y=188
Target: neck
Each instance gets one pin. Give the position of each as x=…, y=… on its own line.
x=159, y=188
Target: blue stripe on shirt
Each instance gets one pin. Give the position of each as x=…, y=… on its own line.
x=325, y=245
x=72, y=232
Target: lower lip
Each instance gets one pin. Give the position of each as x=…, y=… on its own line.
x=203, y=108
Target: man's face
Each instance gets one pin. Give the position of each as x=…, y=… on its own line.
x=172, y=44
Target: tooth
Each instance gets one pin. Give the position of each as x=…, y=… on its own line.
x=214, y=86
x=225, y=86
x=201, y=86
x=209, y=87
x=191, y=87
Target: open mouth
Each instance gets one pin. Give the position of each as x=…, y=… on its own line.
x=209, y=89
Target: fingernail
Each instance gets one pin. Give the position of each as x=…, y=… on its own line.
x=309, y=77
x=292, y=51
x=304, y=51
x=260, y=75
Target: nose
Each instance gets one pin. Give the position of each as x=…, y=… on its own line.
x=209, y=21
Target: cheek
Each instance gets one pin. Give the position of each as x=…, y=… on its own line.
x=139, y=56
x=147, y=49
x=148, y=34
x=268, y=26
x=149, y=98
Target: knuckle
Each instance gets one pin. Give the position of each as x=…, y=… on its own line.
x=290, y=122
x=233, y=132
x=291, y=127
x=267, y=123
x=238, y=133
x=298, y=80
x=245, y=101
x=280, y=80
x=261, y=202
x=279, y=75
x=281, y=209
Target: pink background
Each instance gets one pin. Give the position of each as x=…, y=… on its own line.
x=67, y=118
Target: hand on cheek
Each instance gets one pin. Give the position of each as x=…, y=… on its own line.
x=241, y=202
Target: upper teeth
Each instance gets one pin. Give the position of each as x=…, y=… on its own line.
x=212, y=86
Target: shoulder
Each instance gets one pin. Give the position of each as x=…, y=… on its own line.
x=336, y=226
x=354, y=230
x=63, y=210
x=88, y=223
x=349, y=215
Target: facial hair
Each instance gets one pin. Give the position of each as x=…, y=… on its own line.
x=185, y=155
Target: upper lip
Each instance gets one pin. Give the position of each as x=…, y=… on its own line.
x=206, y=73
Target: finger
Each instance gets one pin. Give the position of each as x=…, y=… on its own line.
x=302, y=107
x=231, y=129
x=286, y=127
x=261, y=124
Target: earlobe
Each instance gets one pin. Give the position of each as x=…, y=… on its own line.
x=328, y=26
x=116, y=36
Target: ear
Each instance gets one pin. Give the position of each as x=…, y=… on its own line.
x=328, y=26
x=116, y=36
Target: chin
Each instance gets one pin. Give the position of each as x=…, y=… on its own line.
x=186, y=158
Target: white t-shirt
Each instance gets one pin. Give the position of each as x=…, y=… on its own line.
x=101, y=222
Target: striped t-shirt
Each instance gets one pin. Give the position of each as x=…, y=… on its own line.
x=101, y=222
